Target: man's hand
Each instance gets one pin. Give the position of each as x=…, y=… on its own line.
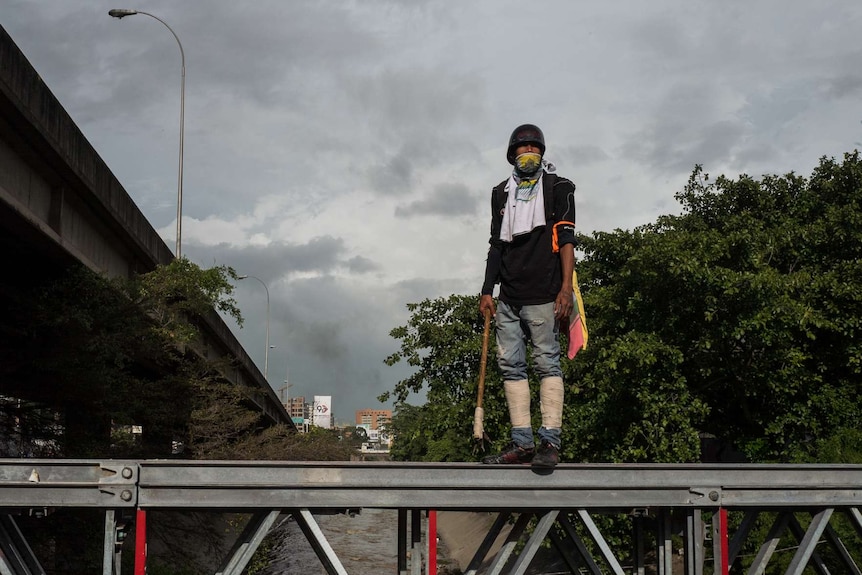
x=564, y=304
x=486, y=302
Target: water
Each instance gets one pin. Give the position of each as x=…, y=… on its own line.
x=366, y=544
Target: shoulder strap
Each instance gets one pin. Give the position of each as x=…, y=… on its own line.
x=500, y=196
x=548, y=183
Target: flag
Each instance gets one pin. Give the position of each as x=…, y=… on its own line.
x=578, y=335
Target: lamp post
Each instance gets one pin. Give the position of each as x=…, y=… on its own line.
x=122, y=13
x=266, y=355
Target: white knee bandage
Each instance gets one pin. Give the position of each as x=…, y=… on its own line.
x=551, y=394
x=518, y=398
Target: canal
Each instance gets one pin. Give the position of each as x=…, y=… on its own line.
x=365, y=543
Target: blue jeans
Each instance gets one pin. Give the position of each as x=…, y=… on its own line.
x=515, y=326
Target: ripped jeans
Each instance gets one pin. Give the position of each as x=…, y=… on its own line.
x=517, y=324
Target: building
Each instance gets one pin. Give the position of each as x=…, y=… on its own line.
x=373, y=418
x=299, y=412
x=321, y=414
x=296, y=407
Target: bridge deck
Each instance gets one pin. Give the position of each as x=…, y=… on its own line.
x=800, y=500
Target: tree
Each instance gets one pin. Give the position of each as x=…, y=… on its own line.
x=757, y=287
x=443, y=339
x=105, y=353
x=96, y=355
x=738, y=318
x=356, y=435
x=175, y=295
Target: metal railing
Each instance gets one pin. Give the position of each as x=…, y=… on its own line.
x=662, y=501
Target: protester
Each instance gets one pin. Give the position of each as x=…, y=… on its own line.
x=531, y=256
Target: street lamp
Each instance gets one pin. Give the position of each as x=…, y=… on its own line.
x=122, y=13
x=266, y=355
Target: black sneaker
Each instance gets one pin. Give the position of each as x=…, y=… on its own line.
x=547, y=456
x=512, y=454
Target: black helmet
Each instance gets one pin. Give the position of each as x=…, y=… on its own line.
x=525, y=134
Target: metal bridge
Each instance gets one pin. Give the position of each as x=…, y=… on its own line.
x=665, y=504
x=61, y=205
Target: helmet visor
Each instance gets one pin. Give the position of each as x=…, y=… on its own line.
x=527, y=135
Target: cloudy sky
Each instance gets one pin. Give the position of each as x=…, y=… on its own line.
x=343, y=151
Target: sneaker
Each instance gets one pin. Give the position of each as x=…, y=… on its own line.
x=547, y=456
x=512, y=454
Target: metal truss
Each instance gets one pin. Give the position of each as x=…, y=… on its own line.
x=672, y=510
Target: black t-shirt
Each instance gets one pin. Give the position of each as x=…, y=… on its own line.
x=528, y=268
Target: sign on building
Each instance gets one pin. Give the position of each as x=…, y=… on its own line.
x=322, y=412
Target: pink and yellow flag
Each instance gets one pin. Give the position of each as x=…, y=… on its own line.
x=578, y=335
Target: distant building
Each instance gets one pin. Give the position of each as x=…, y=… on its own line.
x=301, y=424
x=373, y=418
x=296, y=407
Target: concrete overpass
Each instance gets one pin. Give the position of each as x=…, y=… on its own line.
x=60, y=205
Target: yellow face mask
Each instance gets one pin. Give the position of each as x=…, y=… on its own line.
x=528, y=163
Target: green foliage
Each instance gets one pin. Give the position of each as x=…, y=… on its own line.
x=843, y=445
x=219, y=421
x=420, y=435
x=739, y=317
x=757, y=288
x=174, y=293
x=356, y=436
x=634, y=405
x=99, y=355
x=91, y=356
x=280, y=442
x=443, y=339
x=112, y=353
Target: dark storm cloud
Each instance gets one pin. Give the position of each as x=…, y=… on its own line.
x=80, y=56
x=395, y=177
x=663, y=39
x=31, y=19
x=676, y=147
x=323, y=254
x=419, y=289
x=362, y=265
x=414, y=119
x=261, y=58
x=417, y=100
x=444, y=200
x=333, y=336
x=323, y=339
x=688, y=127
x=271, y=58
x=309, y=124
x=577, y=156
x=844, y=86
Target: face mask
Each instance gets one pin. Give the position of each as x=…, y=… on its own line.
x=528, y=163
